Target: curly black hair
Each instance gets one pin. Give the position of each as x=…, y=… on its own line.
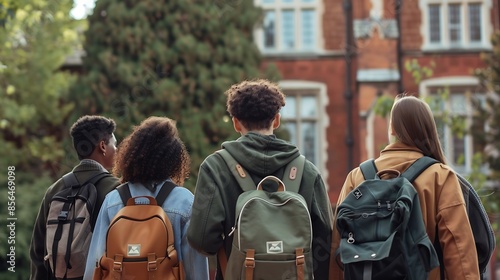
x=152, y=153
x=255, y=103
x=88, y=131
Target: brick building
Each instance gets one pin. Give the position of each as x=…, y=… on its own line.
x=337, y=56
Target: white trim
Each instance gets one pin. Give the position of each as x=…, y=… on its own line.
x=323, y=119
x=446, y=81
x=486, y=25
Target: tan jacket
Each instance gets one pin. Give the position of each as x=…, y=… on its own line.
x=442, y=204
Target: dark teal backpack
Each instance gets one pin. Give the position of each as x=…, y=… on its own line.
x=380, y=222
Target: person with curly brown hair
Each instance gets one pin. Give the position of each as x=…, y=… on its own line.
x=255, y=110
x=151, y=155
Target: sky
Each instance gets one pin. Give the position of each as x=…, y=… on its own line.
x=82, y=8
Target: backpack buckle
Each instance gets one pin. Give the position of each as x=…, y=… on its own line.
x=152, y=262
x=152, y=266
x=117, y=266
x=63, y=215
x=250, y=258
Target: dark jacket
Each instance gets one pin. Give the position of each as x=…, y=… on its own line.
x=87, y=169
x=217, y=191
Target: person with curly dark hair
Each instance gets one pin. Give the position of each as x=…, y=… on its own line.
x=147, y=158
x=95, y=144
x=255, y=110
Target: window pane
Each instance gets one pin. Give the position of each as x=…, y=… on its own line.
x=441, y=132
x=308, y=30
x=308, y=1
x=458, y=151
x=435, y=23
x=291, y=128
x=454, y=23
x=287, y=1
x=309, y=133
x=289, y=110
x=458, y=104
x=288, y=29
x=308, y=106
x=269, y=29
x=268, y=1
x=475, y=22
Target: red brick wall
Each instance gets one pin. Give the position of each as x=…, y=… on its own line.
x=411, y=20
x=333, y=25
x=446, y=64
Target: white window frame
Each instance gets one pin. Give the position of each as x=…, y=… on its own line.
x=445, y=44
x=456, y=81
x=294, y=87
x=297, y=6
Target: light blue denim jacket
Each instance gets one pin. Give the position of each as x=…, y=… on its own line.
x=178, y=208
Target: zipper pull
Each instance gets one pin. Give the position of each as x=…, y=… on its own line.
x=378, y=204
x=388, y=205
x=232, y=231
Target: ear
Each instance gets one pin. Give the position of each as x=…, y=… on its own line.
x=236, y=124
x=102, y=146
x=277, y=121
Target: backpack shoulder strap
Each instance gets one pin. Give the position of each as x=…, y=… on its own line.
x=124, y=192
x=369, y=169
x=165, y=190
x=70, y=180
x=293, y=174
x=243, y=177
x=417, y=167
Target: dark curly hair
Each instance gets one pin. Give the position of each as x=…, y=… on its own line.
x=255, y=103
x=88, y=131
x=152, y=153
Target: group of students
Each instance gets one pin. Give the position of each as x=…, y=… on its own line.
x=153, y=153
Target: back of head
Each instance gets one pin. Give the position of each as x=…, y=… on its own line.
x=413, y=124
x=88, y=131
x=152, y=153
x=255, y=103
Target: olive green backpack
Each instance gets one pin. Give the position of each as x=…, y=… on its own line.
x=272, y=233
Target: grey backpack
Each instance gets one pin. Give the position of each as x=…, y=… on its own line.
x=69, y=226
x=272, y=233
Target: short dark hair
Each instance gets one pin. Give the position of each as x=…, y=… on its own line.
x=152, y=153
x=255, y=103
x=88, y=131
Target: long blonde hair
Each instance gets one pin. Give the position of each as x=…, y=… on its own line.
x=413, y=124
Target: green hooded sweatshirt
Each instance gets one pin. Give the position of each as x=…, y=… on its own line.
x=213, y=212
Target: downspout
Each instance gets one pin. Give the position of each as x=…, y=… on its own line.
x=398, y=6
x=349, y=53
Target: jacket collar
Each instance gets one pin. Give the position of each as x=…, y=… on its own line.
x=89, y=165
x=410, y=151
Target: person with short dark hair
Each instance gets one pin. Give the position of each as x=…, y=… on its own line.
x=255, y=110
x=95, y=143
x=413, y=134
x=151, y=155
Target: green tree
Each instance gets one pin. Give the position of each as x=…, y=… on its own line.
x=487, y=112
x=172, y=58
x=35, y=36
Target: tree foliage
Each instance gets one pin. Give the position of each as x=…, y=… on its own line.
x=490, y=76
x=36, y=36
x=171, y=58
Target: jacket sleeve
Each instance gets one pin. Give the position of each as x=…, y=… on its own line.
x=336, y=272
x=321, y=216
x=37, y=247
x=205, y=232
x=455, y=234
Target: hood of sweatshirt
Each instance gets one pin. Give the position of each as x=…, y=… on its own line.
x=261, y=154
